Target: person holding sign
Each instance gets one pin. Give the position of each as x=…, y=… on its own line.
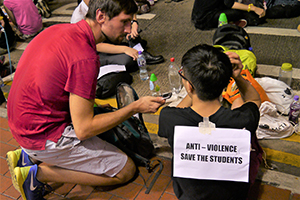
x=205, y=72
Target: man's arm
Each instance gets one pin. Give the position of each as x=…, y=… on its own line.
x=87, y=125
x=117, y=49
x=248, y=92
x=240, y=6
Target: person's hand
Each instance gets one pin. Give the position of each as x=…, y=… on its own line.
x=134, y=31
x=131, y=52
x=236, y=62
x=149, y=104
x=260, y=12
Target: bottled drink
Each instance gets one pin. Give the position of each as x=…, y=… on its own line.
x=285, y=73
x=294, y=110
x=154, y=86
x=174, y=78
x=222, y=19
x=141, y=60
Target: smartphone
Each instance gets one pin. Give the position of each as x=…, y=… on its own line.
x=167, y=95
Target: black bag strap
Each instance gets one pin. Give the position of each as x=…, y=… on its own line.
x=161, y=166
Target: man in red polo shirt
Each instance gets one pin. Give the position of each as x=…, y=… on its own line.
x=50, y=105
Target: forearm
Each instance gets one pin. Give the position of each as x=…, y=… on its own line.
x=87, y=125
x=106, y=121
x=244, y=7
x=247, y=91
x=110, y=48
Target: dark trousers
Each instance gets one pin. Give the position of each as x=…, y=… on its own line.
x=121, y=59
x=235, y=15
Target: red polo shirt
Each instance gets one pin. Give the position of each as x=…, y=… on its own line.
x=60, y=60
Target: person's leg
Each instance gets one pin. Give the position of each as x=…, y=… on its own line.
x=151, y=60
x=30, y=181
x=118, y=59
x=56, y=174
x=90, y=162
x=231, y=14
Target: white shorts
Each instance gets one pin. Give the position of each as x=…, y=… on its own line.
x=93, y=155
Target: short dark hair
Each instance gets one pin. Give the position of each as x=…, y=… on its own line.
x=111, y=7
x=208, y=69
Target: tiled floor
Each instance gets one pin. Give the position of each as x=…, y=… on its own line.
x=162, y=188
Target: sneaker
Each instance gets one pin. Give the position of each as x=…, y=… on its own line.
x=27, y=184
x=241, y=23
x=17, y=158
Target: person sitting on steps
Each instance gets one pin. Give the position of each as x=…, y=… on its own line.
x=205, y=14
x=205, y=73
x=25, y=18
x=111, y=53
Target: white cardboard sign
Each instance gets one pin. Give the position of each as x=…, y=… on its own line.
x=224, y=154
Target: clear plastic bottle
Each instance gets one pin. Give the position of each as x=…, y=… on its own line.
x=285, y=73
x=141, y=60
x=222, y=19
x=154, y=86
x=174, y=78
x=294, y=111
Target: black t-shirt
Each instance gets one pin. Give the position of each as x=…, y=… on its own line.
x=247, y=116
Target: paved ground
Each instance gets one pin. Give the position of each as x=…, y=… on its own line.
x=171, y=33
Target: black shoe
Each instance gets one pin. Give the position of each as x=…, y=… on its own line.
x=151, y=60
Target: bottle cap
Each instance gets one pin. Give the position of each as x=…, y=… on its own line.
x=223, y=17
x=296, y=97
x=140, y=52
x=172, y=59
x=287, y=67
x=153, y=77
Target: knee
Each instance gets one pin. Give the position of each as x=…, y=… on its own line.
x=128, y=172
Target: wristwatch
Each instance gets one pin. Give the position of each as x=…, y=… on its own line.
x=135, y=22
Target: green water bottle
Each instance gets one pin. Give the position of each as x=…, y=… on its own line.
x=154, y=86
x=222, y=20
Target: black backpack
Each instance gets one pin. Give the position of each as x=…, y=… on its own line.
x=132, y=136
x=232, y=36
x=106, y=85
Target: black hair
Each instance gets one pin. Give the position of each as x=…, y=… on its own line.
x=111, y=7
x=208, y=69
